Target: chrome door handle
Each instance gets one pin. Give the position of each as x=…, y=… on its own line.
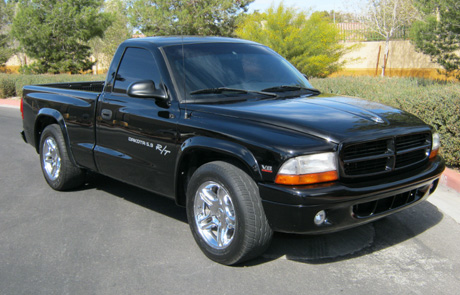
x=106, y=114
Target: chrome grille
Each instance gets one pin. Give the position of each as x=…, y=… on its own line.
x=407, y=159
x=365, y=149
x=384, y=155
x=411, y=141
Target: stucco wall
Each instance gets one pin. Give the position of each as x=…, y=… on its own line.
x=403, y=60
x=14, y=63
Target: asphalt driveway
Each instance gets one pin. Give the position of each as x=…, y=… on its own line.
x=112, y=238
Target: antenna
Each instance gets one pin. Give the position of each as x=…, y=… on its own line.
x=186, y=116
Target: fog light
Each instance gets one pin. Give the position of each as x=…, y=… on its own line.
x=320, y=217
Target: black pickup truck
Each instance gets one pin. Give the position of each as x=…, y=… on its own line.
x=233, y=132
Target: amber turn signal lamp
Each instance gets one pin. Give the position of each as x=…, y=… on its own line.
x=436, y=144
x=433, y=154
x=306, y=178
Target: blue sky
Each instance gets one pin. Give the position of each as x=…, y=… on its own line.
x=316, y=5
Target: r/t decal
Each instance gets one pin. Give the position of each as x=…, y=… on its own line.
x=163, y=150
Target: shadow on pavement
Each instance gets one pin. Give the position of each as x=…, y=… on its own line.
x=312, y=249
x=136, y=195
x=355, y=242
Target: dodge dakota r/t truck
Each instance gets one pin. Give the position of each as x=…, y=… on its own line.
x=233, y=132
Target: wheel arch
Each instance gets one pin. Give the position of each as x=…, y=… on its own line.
x=46, y=117
x=198, y=151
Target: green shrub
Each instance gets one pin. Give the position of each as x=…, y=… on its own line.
x=7, y=87
x=435, y=102
x=309, y=42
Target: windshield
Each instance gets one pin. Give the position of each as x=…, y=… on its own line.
x=245, y=69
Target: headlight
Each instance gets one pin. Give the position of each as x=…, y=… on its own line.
x=435, y=145
x=308, y=169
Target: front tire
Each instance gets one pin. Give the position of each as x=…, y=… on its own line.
x=225, y=214
x=59, y=171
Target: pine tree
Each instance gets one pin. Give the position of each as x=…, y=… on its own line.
x=438, y=34
x=193, y=17
x=5, y=42
x=56, y=33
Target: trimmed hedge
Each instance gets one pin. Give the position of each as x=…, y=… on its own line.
x=7, y=87
x=435, y=102
x=11, y=84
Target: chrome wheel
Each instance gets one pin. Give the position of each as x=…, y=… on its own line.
x=51, y=158
x=225, y=213
x=214, y=215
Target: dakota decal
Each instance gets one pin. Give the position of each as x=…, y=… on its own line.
x=141, y=142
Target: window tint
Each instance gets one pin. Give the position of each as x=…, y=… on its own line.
x=232, y=65
x=137, y=64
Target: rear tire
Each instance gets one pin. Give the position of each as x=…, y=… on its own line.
x=60, y=173
x=225, y=214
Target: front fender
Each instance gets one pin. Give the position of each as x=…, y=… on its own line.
x=228, y=148
x=218, y=147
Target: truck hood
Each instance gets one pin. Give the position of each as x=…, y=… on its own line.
x=333, y=118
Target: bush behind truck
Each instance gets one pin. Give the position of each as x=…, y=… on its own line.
x=233, y=132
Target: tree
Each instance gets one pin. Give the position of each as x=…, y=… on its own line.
x=5, y=42
x=438, y=33
x=56, y=32
x=339, y=16
x=104, y=48
x=309, y=43
x=385, y=17
x=186, y=17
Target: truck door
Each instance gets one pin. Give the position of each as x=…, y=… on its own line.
x=136, y=137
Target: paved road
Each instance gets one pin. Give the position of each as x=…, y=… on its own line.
x=111, y=238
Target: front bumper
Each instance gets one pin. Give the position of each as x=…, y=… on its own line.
x=292, y=209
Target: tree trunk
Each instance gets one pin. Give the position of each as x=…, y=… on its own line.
x=385, y=56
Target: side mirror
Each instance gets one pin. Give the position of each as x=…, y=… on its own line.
x=146, y=89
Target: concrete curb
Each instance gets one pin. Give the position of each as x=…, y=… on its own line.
x=10, y=103
x=449, y=178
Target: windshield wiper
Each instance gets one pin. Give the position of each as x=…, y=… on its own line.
x=227, y=89
x=283, y=88
x=217, y=90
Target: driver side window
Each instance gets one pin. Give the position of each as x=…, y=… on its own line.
x=137, y=64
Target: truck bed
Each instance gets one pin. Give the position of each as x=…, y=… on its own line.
x=71, y=105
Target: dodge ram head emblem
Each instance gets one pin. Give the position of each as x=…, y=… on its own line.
x=377, y=119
